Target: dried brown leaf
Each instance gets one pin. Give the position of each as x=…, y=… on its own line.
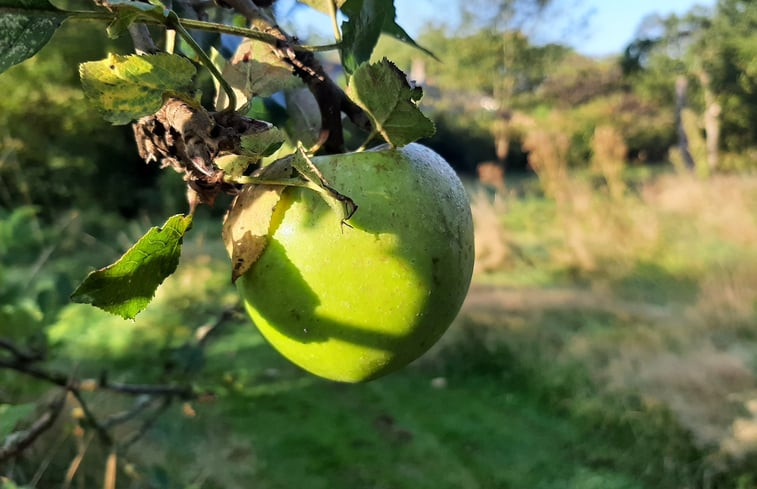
x=245, y=230
x=247, y=225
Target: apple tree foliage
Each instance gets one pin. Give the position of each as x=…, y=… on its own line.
x=128, y=87
x=220, y=146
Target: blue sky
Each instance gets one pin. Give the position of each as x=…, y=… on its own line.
x=611, y=24
x=614, y=23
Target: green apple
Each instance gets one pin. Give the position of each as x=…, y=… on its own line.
x=355, y=302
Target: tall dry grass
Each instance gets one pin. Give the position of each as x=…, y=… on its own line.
x=490, y=239
x=594, y=227
x=691, y=349
x=609, y=152
x=548, y=156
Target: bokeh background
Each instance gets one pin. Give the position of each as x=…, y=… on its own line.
x=609, y=339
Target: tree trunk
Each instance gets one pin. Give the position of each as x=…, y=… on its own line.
x=501, y=145
x=501, y=133
x=711, y=121
x=682, y=85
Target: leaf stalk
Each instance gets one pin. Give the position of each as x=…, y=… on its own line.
x=173, y=21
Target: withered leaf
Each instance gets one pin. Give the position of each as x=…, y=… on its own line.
x=247, y=224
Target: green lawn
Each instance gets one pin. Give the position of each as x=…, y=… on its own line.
x=462, y=418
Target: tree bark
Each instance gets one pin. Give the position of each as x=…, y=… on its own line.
x=682, y=85
x=711, y=121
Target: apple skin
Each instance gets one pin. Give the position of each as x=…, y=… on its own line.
x=353, y=303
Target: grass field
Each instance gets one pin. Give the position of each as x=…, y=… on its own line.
x=607, y=342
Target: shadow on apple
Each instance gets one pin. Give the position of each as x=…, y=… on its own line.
x=369, y=298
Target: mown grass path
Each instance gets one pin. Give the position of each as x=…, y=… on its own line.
x=463, y=417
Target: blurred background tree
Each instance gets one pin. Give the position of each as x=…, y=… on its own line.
x=56, y=152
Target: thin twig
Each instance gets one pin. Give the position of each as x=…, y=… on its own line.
x=17, y=442
x=18, y=353
x=253, y=34
x=205, y=332
x=142, y=403
x=184, y=392
x=37, y=373
x=174, y=22
x=101, y=431
x=21, y=362
x=148, y=423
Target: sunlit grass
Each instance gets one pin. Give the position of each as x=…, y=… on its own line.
x=672, y=265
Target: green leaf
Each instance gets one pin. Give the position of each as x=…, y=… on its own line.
x=11, y=414
x=351, y=8
x=25, y=27
x=382, y=90
x=393, y=29
x=361, y=32
x=128, y=285
x=304, y=116
x=254, y=146
x=125, y=88
x=388, y=24
x=8, y=484
x=262, y=143
x=130, y=11
x=256, y=71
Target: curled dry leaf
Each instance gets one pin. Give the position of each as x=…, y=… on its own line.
x=245, y=229
x=247, y=224
x=186, y=137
